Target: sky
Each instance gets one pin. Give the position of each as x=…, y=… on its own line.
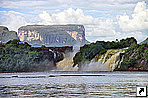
x=106, y=20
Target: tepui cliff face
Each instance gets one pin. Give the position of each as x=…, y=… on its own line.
x=52, y=35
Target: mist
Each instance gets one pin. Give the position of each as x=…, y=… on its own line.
x=94, y=66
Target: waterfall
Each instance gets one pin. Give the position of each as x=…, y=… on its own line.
x=113, y=61
x=112, y=58
x=67, y=63
x=105, y=62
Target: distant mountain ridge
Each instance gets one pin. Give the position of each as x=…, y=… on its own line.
x=6, y=35
x=52, y=35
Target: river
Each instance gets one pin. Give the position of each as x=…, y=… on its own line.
x=70, y=84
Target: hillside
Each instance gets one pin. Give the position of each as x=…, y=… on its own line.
x=125, y=54
x=135, y=58
x=6, y=35
x=17, y=56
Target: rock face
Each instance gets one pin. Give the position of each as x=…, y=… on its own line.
x=6, y=35
x=52, y=35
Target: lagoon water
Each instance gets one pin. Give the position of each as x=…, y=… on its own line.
x=70, y=84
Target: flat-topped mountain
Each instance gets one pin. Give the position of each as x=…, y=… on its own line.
x=52, y=35
x=6, y=35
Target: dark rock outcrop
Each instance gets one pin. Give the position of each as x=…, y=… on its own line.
x=52, y=35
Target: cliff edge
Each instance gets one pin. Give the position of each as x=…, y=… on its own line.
x=52, y=35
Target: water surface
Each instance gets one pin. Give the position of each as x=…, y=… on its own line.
x=69, y=84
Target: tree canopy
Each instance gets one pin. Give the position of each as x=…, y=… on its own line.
x=18, y=56
x=88, y=52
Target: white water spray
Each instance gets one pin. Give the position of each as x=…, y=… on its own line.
x=94, y=66
x=105, y=62
x=67, y=63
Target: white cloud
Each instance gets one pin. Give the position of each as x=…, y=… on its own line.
x=118, y=35
x=92, y=4
x=114, y=7
x=138, y=20
x=102, y=27
x=13, y=20
x=94, y=26
x=69, y=16
x=2, y=11
x=37, y=4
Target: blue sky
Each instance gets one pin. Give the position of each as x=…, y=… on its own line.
x=103, y=19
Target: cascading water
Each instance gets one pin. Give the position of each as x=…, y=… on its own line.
x=106, y=62
x=67, y=63
x=113, y=61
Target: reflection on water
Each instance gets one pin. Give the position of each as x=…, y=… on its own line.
x=55, y=84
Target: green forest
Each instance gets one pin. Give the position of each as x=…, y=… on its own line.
x=88, y=52
x=18, y=56
x=135, y=56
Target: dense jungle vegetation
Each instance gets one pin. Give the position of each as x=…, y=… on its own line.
x=18, y=56
x=134, y=58
x=88, y=52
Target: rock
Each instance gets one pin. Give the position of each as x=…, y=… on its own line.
x=52, y=35
x=6, y=35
